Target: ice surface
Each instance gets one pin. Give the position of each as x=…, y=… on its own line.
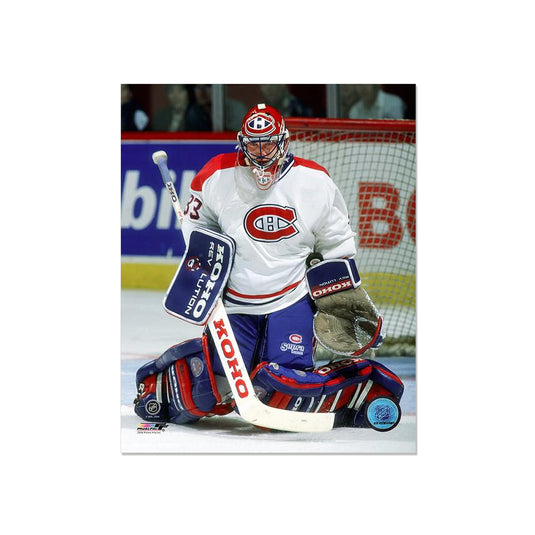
x=147, y=330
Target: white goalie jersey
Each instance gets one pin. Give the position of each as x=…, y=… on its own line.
x=274, y=230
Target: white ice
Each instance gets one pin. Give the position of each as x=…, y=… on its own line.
x=147, y=331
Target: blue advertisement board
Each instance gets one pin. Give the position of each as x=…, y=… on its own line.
x=148, y=224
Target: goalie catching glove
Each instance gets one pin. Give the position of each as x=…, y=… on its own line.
x=347, y=322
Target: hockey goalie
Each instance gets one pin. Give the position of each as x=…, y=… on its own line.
x=268, y=233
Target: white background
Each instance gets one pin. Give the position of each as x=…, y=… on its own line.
x=63, y=63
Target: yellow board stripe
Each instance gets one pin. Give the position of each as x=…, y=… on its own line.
x=390, y=288
x=383, y=288
x=147, y=276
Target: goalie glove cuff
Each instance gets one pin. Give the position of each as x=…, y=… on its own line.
x=332, y=276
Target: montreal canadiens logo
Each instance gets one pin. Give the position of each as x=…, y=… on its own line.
x=271, y=223
x=260, y=124
x=296, y=338
x=193, y=263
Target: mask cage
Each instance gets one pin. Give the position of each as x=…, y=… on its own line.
x=265, y=161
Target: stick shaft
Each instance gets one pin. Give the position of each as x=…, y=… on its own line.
x=168, y=181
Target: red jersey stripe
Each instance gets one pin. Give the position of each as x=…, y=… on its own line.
x=265, y=296
x=310, y=164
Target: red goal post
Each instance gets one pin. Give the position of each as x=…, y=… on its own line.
x=373, y=162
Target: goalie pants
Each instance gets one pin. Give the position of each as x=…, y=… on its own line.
x=285, y=337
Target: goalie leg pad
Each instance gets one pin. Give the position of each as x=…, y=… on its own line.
x=327, y=389
x=179, y=386
x=348, y=388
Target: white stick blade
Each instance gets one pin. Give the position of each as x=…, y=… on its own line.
x=256, y=413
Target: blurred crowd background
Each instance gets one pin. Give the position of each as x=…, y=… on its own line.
x=221, y=107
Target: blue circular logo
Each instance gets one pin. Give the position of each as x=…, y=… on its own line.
x=383, y=414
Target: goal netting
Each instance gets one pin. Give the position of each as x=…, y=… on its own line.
x=373, y=162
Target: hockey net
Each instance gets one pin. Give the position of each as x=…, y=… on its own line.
x=373, y=163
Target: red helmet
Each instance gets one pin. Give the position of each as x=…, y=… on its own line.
x=264, y=140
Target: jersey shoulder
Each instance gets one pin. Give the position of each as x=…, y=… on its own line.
x=310, y=164
x=217, y=163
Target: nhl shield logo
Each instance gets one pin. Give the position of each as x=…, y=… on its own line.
x=271, y=223
x=383, y=414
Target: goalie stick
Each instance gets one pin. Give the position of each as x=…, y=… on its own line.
x=249, y=406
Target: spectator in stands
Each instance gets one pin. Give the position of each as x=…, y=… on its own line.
x=279, y=96
x=172, y=118
x=374, y=103
x=348, y=95
x=133, y=117
x=199, y=116
x=235, y=111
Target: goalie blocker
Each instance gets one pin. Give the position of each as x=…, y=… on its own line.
x=180, y=387
x=201, y=276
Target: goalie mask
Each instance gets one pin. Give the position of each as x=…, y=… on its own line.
x=264, y=140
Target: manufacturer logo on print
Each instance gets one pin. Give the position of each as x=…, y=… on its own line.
x=227, y=347
x=339, y=364
x=271, y=223
x=294, y=349
x=151, y=428
x=323, y=289
x=203, y=291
